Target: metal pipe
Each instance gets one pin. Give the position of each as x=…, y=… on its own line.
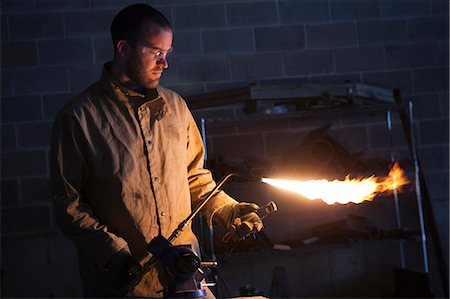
x=395, y=191
x=418, y=190
x=204, y=139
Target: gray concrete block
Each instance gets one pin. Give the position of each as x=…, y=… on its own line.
x=440, y=7
x=10, y=193
x=255, y=66
x=40, y=79
x=437, y=183
x=336, y=79
x=80, y=77
x=4, y=28
x=294, y=12
x=391, y=79
x=205, y=69
x=428, y=29
x=308, y=62
x=430, y=80
x=380, y=136
x=23, y=163
x=252, y=13
x=434, y=132
x=8, y=137
x=19, y=54
x=110, y=4
x=24, y=108
x=382, y=32
x=165, y=10
x=359, y=59
x=444, y=104
x=34, y=134
x=7, y=83
x=51, y=5
x=25, y=265
x=227, y=41
x=170, y=75
x=103, y=50
x=199, y=16
x=331, y=35
x=409, y=56
x=66, y=51
x=25, y=219
x=46, y=25
x=53, y=102
x=426, y=107
x=409, y=8
x=173, y=2
x=36, y=190
x=442, y=53
x=280, y=38
x=187, y=43
x=16, y=6
x=88, y=24
x=432, y=158
x=354, y=10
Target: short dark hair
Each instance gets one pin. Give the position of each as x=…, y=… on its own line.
x=128, y=21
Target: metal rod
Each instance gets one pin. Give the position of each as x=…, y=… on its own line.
x=395, y=191
x=418, y=190
x=204, y=140
x=210, y=229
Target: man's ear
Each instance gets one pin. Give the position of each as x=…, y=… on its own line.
x=122, y=47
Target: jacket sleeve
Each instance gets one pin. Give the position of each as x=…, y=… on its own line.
x=200, y=179
x=74, y=216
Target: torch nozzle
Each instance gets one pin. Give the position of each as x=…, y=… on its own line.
x=266, y=210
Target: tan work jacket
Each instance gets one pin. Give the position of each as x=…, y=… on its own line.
x=121, y=176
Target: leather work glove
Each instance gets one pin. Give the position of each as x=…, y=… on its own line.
x=240, y=220
x=122, y=269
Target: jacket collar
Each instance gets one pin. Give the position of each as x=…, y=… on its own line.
x=157, y=106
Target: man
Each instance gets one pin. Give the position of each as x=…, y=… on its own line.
x=127, y=163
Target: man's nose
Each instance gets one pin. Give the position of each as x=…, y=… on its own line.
x=163, y=61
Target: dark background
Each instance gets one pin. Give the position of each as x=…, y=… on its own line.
x=50, y=50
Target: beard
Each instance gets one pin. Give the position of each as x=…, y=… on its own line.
x=140, y=76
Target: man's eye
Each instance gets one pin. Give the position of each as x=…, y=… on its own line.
x=158, y=53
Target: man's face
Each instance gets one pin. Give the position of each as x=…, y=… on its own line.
x=148, y=56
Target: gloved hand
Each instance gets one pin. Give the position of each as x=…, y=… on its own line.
x=122, y=269
x=240, y=219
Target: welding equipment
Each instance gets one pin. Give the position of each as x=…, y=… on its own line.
x=181, y=264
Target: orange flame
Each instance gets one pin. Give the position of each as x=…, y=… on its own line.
x=343, y=192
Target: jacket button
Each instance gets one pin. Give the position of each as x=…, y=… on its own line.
x=149, y=142
x=156, y=179
x=163, y=213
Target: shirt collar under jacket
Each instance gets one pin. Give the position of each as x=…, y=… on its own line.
x=157, y=106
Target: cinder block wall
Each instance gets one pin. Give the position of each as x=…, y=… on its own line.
x=50, y=50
